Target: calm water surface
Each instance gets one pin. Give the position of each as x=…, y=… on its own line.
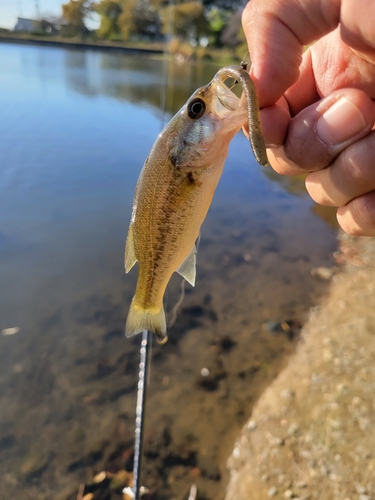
x=75, y=129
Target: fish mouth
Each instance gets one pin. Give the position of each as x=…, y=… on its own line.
x=224, y=102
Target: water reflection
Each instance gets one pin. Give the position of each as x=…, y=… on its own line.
x=75, y=130
x=134, y=79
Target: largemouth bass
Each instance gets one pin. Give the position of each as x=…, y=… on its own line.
x=175, y=190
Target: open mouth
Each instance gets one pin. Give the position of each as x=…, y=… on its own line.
x=225, y=102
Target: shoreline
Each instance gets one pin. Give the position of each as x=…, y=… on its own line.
x=106, y=47
x=309, y=435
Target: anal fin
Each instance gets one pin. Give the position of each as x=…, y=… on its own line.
x=188, y=268
x=130, y=258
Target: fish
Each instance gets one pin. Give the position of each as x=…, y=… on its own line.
x=175, y=189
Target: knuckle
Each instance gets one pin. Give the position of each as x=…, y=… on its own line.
x=358, y=217
x=356, y=164
x=352, y=169
x=364, y=207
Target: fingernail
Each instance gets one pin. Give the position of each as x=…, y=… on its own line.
x=342, y=121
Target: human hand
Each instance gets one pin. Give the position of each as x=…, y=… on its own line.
x=317, y=107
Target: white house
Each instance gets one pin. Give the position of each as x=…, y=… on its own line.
x=28, y=25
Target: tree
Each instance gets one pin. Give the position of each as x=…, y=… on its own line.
x=232, y=5
x=217, y=19
x=232, y=34
x=188, y=20
x=139, y=18
x=109, y=12
x=75, y=12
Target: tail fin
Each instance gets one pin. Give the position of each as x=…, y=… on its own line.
x=140, y=319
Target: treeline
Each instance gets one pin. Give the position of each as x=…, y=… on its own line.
x=215, y=23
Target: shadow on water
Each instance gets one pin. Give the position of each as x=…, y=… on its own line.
x=75, y=129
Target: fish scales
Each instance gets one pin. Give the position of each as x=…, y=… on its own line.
x=174, y=193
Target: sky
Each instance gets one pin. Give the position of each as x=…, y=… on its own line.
x=10, y=10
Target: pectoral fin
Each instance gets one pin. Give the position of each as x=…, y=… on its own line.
x=130, y=258
x=187, y=269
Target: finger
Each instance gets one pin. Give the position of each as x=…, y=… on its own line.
x=276, y=32
x=303, y=92
x=357, y=27
x=352, y=174
x=334, y=65
x=328, y=65
x=358, y=216
x=321, y=131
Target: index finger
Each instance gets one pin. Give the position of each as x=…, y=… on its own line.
x=276, y=32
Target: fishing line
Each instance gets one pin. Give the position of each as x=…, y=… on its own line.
x=143, y=378
x=146, y=343
x=182, y=294
x=177, y=305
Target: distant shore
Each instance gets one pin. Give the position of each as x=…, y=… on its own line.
x=182, y=51
x=74, y=44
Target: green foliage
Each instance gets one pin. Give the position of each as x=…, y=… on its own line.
x=188, y=20
x=109, y=11
x=232, y=35
x=217, y=19
x=138, y=20
x=75, y=12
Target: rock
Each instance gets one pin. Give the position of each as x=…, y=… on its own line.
x=34, y=465
x=210, y=377
x=359, y=488
x=293, y=430
x=287, y=394
x=288, y=494
x=272, y=491
x=252, y=425
x=323, y=273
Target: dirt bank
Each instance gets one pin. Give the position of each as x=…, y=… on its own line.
x=311, y=433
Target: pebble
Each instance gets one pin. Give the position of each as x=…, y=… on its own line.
x=364, y=497
x=301, y=484
x=342, y=388
x=10, y=331
x=323, y=273
x=323, y=470
x=287, y=394
x=99, y=478
x=293, y=430
x=281, y=478
x=265, y=478
x=288, y=494
x=277, y=441
x=236, y=452
x=359, y=488
x=273, y=492
x=252, y=425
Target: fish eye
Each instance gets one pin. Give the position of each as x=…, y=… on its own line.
x=196, y=108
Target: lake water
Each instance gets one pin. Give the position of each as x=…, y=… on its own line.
x=75, y=129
